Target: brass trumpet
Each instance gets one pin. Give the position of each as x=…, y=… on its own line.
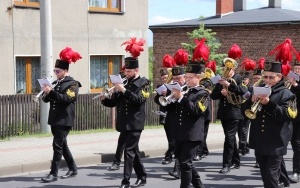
x=164, y=101
x=107, y=92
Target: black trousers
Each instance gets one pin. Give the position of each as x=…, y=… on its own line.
x=185, y=151
x=61, y=148
x=283, y=175
x=202, y=148
x=243, y=134
x=230, y=152
x=120, y=148
x=171, y=141
x=270, y=169
x=296, y=147
x=132, y=157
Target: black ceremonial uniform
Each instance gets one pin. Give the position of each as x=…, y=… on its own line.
x=230, y=115
x=130, y=123
x=61, y=118
x=189, y=132
x=296, y=133
x=167, y=122
x=270, y=133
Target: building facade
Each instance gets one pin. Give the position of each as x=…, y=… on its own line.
x=94, y=28
x=256, y=31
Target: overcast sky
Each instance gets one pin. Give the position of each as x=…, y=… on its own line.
x=166, y=11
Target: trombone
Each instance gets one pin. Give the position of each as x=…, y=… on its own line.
x=164, y=101
x=107, y=92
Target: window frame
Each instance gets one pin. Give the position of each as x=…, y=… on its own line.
x=110, y=70
x=28, y=60
x=109, y=8
x=26, y=3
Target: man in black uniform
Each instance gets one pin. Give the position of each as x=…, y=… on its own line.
x=189, y=123
x=166, y=120
x=229, y=113
x=130, y=102
x=295, y=88
x=62, y=100
x=271, y=129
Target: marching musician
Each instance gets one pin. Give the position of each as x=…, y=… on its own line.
x=166, y=77
x=271, y=129
x=62, y=100
x=189, y=123
x=295, y=88
x=229, y=113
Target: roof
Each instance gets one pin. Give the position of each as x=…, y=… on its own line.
x=261, y=16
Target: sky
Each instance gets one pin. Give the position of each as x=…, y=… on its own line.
x=166, y=11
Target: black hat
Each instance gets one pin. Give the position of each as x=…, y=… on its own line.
x=272, y=66
x=257, y=72
x=194, y=67
x=62, y=64
x=163, y=72
x=245, y=75
x=177, y=70
x=131, y=63
x=297, y=63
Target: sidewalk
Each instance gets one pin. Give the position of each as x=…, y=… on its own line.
x=24, y=155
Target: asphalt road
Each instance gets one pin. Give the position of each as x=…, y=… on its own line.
x=97, y=175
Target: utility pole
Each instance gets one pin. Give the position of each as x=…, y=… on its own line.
x=46, y=56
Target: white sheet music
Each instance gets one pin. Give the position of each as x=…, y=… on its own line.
x=174, y=86
x=45, y=82
x=215, y=79
x=160, y=89
x=293, y=75
x=262, y=91
x=116, y=79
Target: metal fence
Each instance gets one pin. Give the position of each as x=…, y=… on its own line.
x=20, y=115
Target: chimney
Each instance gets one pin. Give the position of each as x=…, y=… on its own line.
x=239, y=5
x=224, y=7
x=274, y=3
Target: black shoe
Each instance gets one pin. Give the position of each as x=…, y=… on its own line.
x=166, y=160
x=235, y=166
x=225, y=170
x=139, y=182
x=114, y=166
x=124, y=186
x=70, y=173
x=197, y=158
x=294, y=178
x=256, y=165
x=49, y=178
x=281, y=184
x=175, y=174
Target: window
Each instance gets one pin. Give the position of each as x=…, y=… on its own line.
x=106, y=5
x=100, y=68
x=27, y=73
x=27, y=3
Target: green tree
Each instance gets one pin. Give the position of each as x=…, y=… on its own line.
x=150, y=59
x=211, y=42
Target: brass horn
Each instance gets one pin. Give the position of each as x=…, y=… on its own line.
x=107, y=92
x=164, y=101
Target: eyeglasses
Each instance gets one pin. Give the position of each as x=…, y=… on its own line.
x=270, y=77
x=56, y=71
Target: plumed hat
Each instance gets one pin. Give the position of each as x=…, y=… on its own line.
x=135, y=48
x=67, y=56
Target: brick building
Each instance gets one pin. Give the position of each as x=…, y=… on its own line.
x=256, y=31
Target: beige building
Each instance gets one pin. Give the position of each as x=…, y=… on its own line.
x=94, y=28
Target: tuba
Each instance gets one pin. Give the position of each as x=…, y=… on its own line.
x=232, y=98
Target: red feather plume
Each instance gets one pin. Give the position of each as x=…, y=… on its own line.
x=181, y=57
x=235, y=52
x=261, y=63
x=212, y=65
x=134, y=47
x=168, y=61
x=248, y=64
x=285, y=52
x=69, y=55
x=285, y=69
x=201, y=52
